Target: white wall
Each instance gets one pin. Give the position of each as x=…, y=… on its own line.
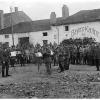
x=90, y=29
x=3, y=39
x=37, y=37
x=34, y=37
x=60, y=33
x=16, y=36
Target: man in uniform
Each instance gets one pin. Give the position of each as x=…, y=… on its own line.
x=5, y=63
x=97, y=57
x=22, y=59
x=47, y=59
x=61, y=59
x=66, y=58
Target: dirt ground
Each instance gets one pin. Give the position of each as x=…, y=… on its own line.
x=80, y=81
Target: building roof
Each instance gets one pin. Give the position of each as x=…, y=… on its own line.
x=33, y=26
x=25, y=27
x=43, y=25
x=82, y=16
x=17, y=17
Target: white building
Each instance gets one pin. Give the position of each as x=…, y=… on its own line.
x=85, y=23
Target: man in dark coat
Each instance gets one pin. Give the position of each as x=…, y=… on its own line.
x=5, y=63
x=12, y=61
x=61, y=59
x=22, y=60
x=97, y=57
x=55, y=58
x=66, y=58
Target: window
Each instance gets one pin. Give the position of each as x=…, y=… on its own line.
x=66, y=28
x=45, y=34
x=6, y=36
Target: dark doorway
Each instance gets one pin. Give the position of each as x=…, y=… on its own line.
x=45, y=42
x=24, y=40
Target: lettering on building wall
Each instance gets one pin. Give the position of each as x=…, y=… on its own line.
x=83, y=30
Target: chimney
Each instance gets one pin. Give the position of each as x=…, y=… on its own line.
x=1, y=19
x=16, y=9
x=52, y=18
x=65, y=12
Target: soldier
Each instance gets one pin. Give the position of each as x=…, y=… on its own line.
x=97, y=57
x=38, y=59
x=78, y=57
x=47, y=59
x=61, y=59
x=12, y=61
x=66, y=58
x=55, y=58
x=5, y=63
x=22, y=60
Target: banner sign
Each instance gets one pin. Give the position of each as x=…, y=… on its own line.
x=39, y=54
x=84, y=30
x=13, y=54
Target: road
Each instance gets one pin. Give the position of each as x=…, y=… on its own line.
x=29, y=73
x=31, y=69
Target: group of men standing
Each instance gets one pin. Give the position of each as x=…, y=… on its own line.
x=8, y=60
x=60, y=56
x=63, y=58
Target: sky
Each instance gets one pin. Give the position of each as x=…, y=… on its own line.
x=41, y=9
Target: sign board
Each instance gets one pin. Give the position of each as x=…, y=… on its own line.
x=82, y=31
x=39, y=54
x=51, y=52
x=13, y=53
x=18, y=52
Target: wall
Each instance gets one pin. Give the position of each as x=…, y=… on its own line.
x=37, y=37
x=58, y=33
x=16, y=36
x=3, y=39
x=34, y=37
x=90, y=29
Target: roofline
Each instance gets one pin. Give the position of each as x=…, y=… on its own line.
x=78, y=22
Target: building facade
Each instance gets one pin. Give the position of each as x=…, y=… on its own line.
x=85, y=23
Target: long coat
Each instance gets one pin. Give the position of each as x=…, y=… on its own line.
x=46, y=58
x=5, y=56
x=97, y=53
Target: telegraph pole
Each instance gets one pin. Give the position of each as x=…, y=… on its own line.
x=11, y=26
x=58, y=34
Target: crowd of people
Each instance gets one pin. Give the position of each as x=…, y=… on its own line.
x=7, y=60
x=52, y=55
x=64, y=55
